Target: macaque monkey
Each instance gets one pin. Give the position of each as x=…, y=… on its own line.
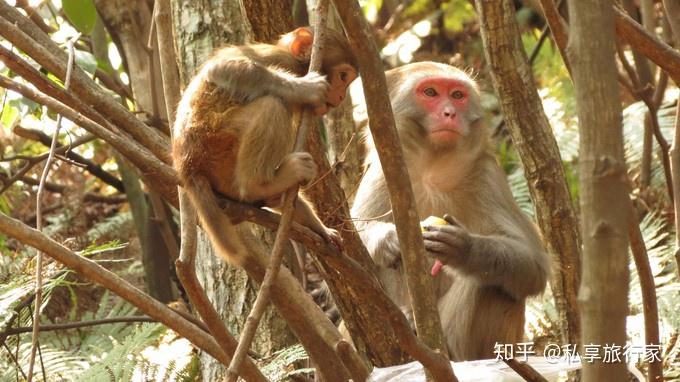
x=236, y=125
x=492, y=254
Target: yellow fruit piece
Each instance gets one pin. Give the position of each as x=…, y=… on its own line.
x=432, y=220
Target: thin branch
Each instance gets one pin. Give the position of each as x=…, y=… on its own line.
x=558, y=28
x=90, y=166
x=646, y=95
x=631, y=32
x=650, y=309
x=77, y=325
x=289, y=200
x=39, y=216
x=384, y=133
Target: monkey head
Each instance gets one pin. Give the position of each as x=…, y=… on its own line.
x=339, y=64
x=438, y=105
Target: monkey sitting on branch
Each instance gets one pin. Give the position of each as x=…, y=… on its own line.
x=492, y=254
x=236, y=125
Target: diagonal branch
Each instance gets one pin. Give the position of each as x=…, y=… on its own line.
x=383, y=130
x=109, y=280
x=289, y=200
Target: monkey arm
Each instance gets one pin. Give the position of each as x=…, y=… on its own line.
x=248, y=80
x=517, y=265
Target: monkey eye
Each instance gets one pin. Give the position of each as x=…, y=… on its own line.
x=343, y=76
x=430, y=92
x=457, y=94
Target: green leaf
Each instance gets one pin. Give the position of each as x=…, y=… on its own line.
x=86, y=61
x=81, y=13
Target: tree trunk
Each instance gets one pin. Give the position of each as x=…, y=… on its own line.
x=533, y=138
x=199, y=29
x=604, y=185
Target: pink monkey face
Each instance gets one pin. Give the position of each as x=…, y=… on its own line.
x=445, y=102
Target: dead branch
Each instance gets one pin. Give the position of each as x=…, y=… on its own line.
x=391, y=156
x=39, y=215
x=77, y=325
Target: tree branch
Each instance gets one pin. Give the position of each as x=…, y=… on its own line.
x=109, y=280
x=93, y=168
x=420, y=285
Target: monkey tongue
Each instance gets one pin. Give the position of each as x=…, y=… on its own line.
x=436, y=268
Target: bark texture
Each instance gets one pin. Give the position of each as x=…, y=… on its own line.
x=532, y=136
x=604, y=185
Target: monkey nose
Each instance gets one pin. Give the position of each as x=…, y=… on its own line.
x=449, y=112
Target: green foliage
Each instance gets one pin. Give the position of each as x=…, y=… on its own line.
x=276, y=367
x=81, y=13
x=120, y=362
x=457, y=13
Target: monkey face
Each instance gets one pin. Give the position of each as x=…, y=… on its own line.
x=339, y=78
x=445, y=102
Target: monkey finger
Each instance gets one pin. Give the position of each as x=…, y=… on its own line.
x=453, y=221
x=436, y=249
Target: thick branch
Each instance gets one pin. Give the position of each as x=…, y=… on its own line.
x=651, y=46
x=383, y=129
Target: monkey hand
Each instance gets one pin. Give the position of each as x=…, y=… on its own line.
x=450, y=243
x=383, y=245
x=298, y=168
x=308, y=90
x=332, y=237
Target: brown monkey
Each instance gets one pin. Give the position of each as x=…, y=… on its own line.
x=492, y=253
x=236, y=124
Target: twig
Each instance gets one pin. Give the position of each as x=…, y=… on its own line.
x=14, y=359
x=89, y=165
x=77, y=325
x=289, y=200
x=39, y=217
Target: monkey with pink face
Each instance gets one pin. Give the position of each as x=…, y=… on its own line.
x=492, y=254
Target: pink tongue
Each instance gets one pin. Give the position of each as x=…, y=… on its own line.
x=436, y=268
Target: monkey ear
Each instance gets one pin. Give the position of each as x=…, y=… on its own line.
x=300, y=44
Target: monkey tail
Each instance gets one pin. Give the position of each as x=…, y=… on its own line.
x=221, y=231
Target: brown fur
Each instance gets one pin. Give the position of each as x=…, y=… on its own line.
x=481, y=300
x=236, y=125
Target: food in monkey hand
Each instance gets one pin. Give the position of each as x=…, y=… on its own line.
x=433, y=220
